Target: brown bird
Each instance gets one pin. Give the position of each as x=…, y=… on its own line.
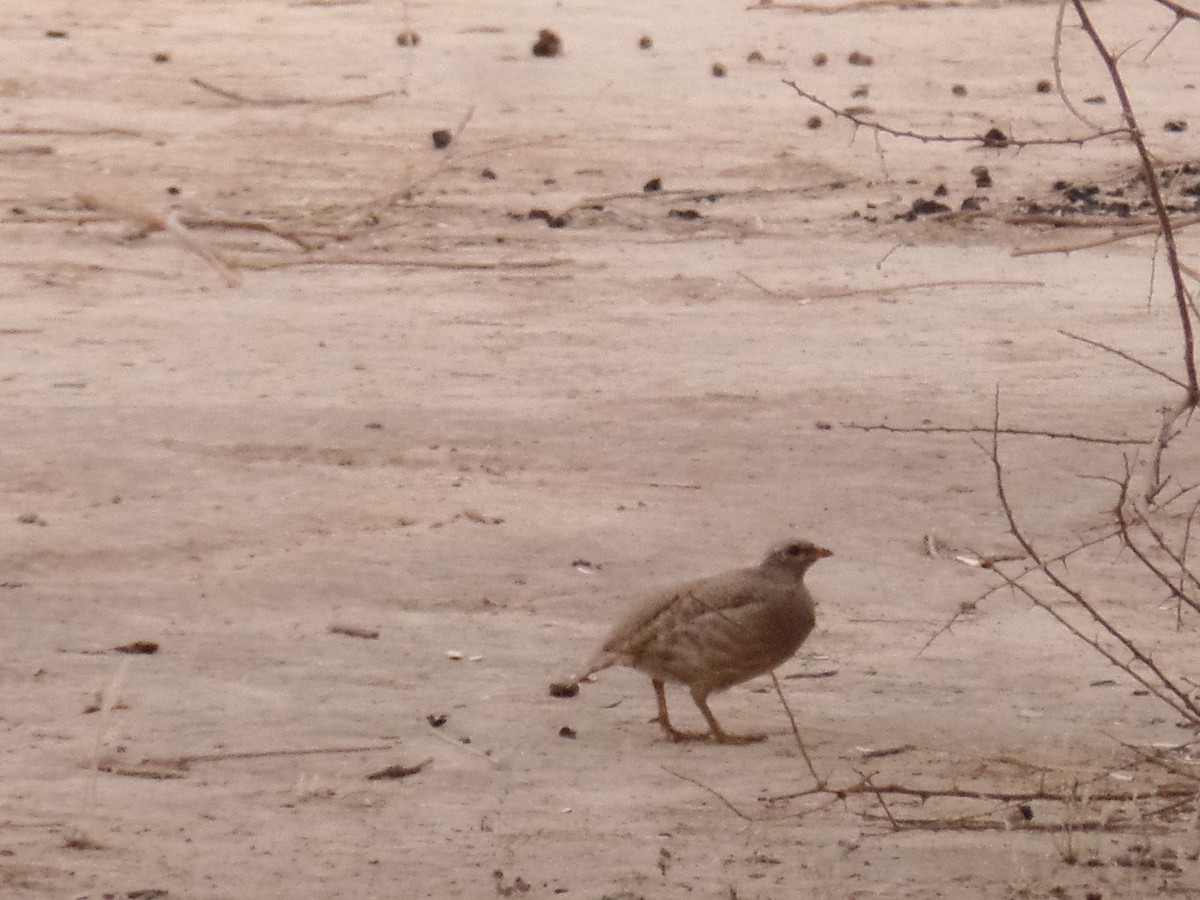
x=715, y=632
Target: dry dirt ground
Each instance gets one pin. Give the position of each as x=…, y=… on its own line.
x=425, y=413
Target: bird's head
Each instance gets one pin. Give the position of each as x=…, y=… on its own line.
x=794, y=557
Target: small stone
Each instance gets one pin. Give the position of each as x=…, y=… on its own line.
x=547, y=44
x=755, y=56
x=820, y=59
x=857, y=58
x=718, y=70
x=161, y=57
x=1044, y=86
x=814, y=122
x=441, y=139
x=959, y=90
x=408, y=38
x=645, y=42
x=654, y=184
x=995, y=138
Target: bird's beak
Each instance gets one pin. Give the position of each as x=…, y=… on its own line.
x=821, y=552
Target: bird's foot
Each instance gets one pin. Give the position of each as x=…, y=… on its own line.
x=721, y=737
x=726, y=738
x=675, y=735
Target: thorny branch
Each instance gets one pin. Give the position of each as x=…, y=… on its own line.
x=1161, y=685
x=1121, y=353
x=994, y=138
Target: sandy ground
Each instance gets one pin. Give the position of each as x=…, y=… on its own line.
x=490, y=449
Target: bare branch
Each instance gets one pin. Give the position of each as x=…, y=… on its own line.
x=994, y=138
x=796, y=732
x=1181, y=11
x=1121, y=353
x=977, y=429
x=1160, y=207
x=1162, y=686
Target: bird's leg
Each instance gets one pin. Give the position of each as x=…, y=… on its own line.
x=720, y=734
x=664, y=721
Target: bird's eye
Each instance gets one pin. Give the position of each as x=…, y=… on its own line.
x=793, y=550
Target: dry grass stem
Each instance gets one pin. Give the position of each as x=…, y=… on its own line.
x=290, y=101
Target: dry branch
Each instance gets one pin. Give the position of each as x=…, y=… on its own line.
x=997, y=140
x=1140, y=231
x=265, y=754
x=1158, y=682
x=1181, y=11
x=1100, y=345
x=1160, y=207
x=977, y=429
x=891, y=289
x=903, y=5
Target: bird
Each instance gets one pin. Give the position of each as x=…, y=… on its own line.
x=714, y=632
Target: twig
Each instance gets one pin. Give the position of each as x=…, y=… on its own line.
x=176, y=227
x=367, y=634
x=820, y=782
x=399, y=770
x=289, y=101
x=465, y=748
x=971, y=605
x=1181, y=11
x=264, y=754
x=976, y=429
x=1141, y=231
x=28, y=150
x=867, y=5
x=1163, y=686
x=1056, y=61
x=866, y=780
x=409, y=191
x=890, y=289
x=1139, y=225
x=1096, y=825
x=977, y=139
x=1176, y=591
x=1121, y=353
x=1160, y=207
x=1065, y=795
x=72, y=132
x=278, y=262
x=170, y=223
x=704, y=787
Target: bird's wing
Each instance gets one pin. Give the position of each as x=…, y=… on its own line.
x=686, y=608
